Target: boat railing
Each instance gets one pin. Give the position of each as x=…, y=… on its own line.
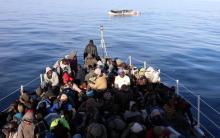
x=13, y=95
x=206, y=116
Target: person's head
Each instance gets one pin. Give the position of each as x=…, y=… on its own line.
x=98, y=72
x=20, y=108
x=72, y=55
x=121, y=73
x=28, y=117
x=91, y=42
x=64, y=98
x=65, y=61
x=49, y=71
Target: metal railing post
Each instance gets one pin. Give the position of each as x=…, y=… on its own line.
x=145, y=64
x=22, y=89
x=198, y=112
x=41, y=78
x=129, y=61
x=177, y=87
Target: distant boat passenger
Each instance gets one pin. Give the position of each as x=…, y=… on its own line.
x=91, y=49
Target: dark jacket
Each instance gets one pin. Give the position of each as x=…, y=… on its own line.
x=90, y=49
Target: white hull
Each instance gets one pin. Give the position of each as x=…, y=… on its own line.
x=124, y=13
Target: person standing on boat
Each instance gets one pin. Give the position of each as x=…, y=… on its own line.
x=121, y=79
x=90, y=49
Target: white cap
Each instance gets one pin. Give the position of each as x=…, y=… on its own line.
x=48, y=69
x=98, y=71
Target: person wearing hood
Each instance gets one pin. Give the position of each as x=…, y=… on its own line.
x=51, y=77
x=91, y=49
x=27, y=127
x=121, y=79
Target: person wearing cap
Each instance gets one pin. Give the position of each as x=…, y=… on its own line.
x=27, y=127
x=121, y=79
x=100, y=82
x=51, y=77
x=90, y=49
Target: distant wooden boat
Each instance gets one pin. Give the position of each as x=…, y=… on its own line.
x=123, y=13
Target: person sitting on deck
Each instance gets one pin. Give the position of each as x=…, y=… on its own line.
x=100, y=83
x=27, y=126
x=90, y=49
x=66, y=76
x=121, y=79
x=51, y=77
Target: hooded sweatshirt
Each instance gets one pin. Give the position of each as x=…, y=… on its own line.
x=54, y=80
x=27, y=129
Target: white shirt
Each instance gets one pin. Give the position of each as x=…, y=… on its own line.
x=119, y=81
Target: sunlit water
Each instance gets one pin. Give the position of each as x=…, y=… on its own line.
x=182, y=39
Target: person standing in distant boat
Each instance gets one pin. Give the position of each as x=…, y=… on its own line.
x=91, y=49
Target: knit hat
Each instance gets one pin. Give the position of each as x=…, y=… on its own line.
x=136, y=128
x=48, y=69
x=63, y=97
x=28, y=116
x=98, y=71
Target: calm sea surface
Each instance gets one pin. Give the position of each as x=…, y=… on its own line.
x=180, y=38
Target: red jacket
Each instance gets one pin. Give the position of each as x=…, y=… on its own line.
x=66, y=78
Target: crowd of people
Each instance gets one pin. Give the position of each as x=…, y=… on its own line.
x=103, y=98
